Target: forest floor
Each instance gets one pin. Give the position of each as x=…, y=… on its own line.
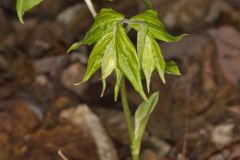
x=42, y=113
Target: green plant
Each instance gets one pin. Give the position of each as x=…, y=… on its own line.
x=114, y=52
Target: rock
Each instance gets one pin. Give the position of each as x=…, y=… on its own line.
x=76, y=19
x=18, y=118
x=129, y=8
x=175, y=14
x=51, y=65
x=38, y=48
x=115, y=124
x=84, y=117
x=234, y=109
x=74, y=141
x=44, y=39
x=3, y=63
x=57, y=105
x=4, y=27
x=231, y=152
x=89, y=91
x=222, y=135
x=80, y=55
x=198, y=14
x=42, y=80
x=235, y=151
x=227, y=40
x=161, y=146
x=50, y=9
x=149, y=155
x=74, y=74
x=9, y=4
x=235, y=4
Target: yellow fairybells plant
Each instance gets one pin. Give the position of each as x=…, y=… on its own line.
x=114, y=53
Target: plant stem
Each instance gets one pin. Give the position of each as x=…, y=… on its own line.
x=91, y=7
x=126, y=110
x=128, y=116
x=135, y=157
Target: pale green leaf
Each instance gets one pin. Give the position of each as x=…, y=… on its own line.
x=142, y=116
x=141, y=37
x=74, y=46
x=163, y=35
x=147, y=61
x=118, y=83
x=172, y=68
x=150, y=57
x=95, y=59
x=149, y=17
x=104, y=22
x=109, y=60
x=23, y=6
x=159, y=60
x=155, y=27
x=108, y=63
x=127, y=60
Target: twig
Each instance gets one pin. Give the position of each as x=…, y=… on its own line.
x=91, y=7
x=62, y=155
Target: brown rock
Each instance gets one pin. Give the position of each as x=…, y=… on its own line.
x=227, y=40
x=149, y=155
x=115, y=124
x=75, y=142
x=18, y=118
x=83, y=117
x=74, y=74
x=198, y=14
x=129, y=8
x=76, y=19
x=4, y=27
x=231, y=152
x=222, y=135
x=51, y=65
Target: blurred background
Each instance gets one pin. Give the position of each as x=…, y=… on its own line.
x=41, y=112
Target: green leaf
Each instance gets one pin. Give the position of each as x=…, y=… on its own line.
x=95, y=59
x=23, y=6
x=141, y=37
x=105, y=22
x=109, y=60
x=113, y=51
x=108, y=63
x=127, y=60
x=172, y=68
x=142, y=116
x=118, y=83
x=74, y=46
x=159, y=60
x=155, y=27
x=150, y=55
x=147, y=60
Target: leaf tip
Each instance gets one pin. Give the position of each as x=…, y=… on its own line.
x=104, y=87
x=180, y=37
x=73, y=47
x=78, y=83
